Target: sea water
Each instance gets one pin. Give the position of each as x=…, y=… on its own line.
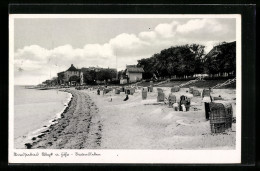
x=34, y=110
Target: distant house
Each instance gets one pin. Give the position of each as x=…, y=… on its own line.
x=134, y=73
x=71, y=76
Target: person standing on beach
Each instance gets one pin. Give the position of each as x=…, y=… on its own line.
x=98, y=92
x=206, y=98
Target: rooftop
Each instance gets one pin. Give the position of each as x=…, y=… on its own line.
x=134, y=68
x=72, y=68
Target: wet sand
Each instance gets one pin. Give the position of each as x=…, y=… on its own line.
x=79, y=126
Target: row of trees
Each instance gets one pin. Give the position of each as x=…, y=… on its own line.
x=177, y=61
x=91, y=76
x=222, y=59
x=187, y=60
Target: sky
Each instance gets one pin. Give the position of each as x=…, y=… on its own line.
x=45, y=46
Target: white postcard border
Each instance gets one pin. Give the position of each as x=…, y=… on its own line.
x=124, y=156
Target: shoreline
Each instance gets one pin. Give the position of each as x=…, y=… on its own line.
x=33, y=135
x=73, y=127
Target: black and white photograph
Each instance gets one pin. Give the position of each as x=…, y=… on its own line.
x=103, y=88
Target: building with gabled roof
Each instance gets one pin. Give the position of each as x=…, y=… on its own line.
x=72, y=68
x=71, y=76
x=134, y=73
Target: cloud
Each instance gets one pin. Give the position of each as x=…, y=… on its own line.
x=148, y=35
x=33, y=53
x=166, y=30
x=192, y=26
x=205, y=29
x=122, y=49
x=94, y=50
x=126, y=41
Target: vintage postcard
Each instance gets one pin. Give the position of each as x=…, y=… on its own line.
x=124, y=88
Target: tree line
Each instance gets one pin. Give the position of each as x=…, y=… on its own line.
x=189, y=60
x=175, y=62
x=91, y=76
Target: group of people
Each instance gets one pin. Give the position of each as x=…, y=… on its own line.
x=183, y=104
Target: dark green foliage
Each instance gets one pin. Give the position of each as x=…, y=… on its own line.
x=180, y=61
x=121, y=73
x=105, y=74
x=221, y=59
x=91, y=76
x=187, y=60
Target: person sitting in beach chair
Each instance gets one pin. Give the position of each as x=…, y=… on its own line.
x=126, y=98
x=182, y=101
x=206, y=101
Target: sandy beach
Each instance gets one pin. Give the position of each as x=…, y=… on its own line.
x=79, y=123
x=94, y=121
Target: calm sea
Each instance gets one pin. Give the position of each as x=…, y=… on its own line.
x=34, y=109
